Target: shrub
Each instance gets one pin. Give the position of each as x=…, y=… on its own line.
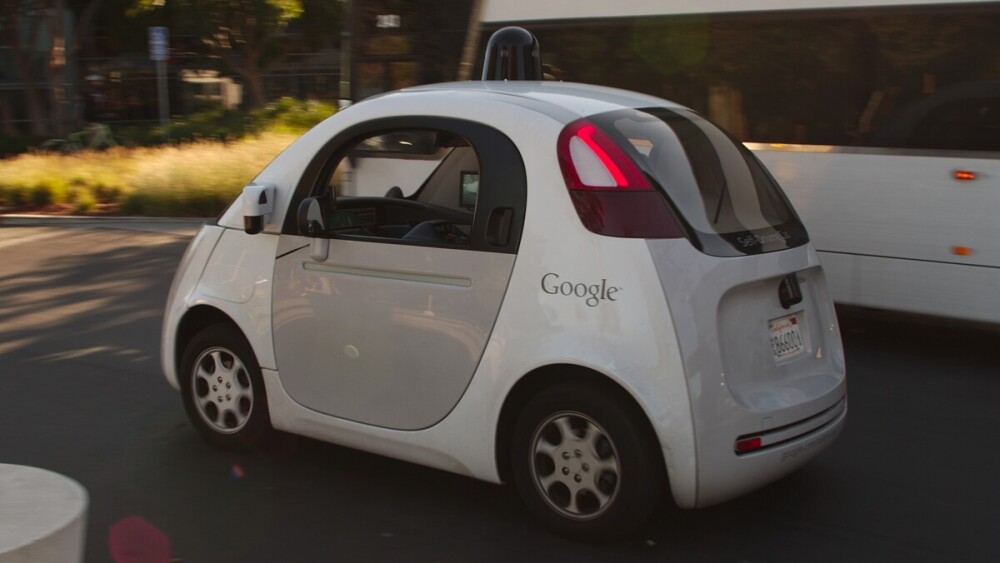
x=47, y=191
x=11, y=145
x=191, y=179
x=14, y=195
x=288, y=115
x=219, y=124
x=139, y=203
x=84, y=202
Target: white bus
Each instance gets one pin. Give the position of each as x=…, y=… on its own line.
x=881, y=120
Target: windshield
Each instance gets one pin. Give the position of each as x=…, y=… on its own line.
x=730, y=203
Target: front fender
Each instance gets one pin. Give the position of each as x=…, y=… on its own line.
x=231, y=272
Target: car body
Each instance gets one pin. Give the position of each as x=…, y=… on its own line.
x=593, y=293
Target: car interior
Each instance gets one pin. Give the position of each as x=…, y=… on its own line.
x=408, y=186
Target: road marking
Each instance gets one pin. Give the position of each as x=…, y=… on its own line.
x=31, y=235
x=136, y=355
x=170, y=231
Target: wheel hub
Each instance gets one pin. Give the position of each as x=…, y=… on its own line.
x=222, y=392
x=574, y=465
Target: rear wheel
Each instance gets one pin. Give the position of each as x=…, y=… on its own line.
x=223, y=390
x=585, y=464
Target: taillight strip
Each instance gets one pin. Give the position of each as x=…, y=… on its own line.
x=623, y=203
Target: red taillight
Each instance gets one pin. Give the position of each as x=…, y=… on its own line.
x=590, y=160
x=611, y=194
x=747, y=445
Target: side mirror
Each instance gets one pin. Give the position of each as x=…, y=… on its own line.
x=258, y=204
x=311, y=218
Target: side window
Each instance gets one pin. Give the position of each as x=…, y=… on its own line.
x=408, y=186
x=414, y=180
x=971, y=124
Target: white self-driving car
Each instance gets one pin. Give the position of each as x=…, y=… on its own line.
x=593, y=294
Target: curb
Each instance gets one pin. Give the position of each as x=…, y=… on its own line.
x=43, y=516
x=23, y=220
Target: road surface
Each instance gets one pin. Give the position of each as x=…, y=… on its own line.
x=914, y=476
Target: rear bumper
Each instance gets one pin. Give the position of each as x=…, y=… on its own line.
x=776, y=437
x=789, y=407
x=725, y=474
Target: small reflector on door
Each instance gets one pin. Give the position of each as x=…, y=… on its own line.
x=964, y=175
x=961, y=251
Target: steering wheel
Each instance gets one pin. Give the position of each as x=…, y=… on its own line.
x=439, y=231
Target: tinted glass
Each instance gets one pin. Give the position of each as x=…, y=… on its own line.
x=404, y=186
x=970, y=124
x=728, y=200
x=818, y=77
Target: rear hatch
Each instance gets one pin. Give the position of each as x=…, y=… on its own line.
x=755, y=322
x=757, y=330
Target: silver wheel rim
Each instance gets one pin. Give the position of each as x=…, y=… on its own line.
x=575, y=465
x=221, y=390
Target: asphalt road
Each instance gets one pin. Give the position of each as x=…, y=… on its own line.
x=914, y=477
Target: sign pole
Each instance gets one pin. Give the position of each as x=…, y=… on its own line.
x=158, y=42
x=161, y=87
x=345, y=54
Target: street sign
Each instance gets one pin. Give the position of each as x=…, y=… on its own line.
x=388, y=21
x=158, y=43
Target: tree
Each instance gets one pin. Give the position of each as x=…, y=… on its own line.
x=20, y=27
x=44, y=34
x=244, y=34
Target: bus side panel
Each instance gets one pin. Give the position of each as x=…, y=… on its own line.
x=899, y=231
x=929, y=288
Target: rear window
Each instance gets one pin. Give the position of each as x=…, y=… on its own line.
x=727, y=199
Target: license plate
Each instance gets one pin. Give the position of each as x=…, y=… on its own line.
x=786, y=336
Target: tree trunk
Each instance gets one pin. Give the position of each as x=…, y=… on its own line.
x=254, y=84
x=6, y=125
x=21, y=53
x=57, y=68
x=251, y=70
x=83, y=45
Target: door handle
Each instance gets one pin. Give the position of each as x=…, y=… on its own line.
x=498, y=226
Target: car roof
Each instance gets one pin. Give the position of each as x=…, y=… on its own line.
x=563, y=101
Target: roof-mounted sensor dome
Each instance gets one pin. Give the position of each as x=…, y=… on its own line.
x=512, y=54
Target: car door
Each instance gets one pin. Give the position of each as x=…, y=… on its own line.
x=382, y=317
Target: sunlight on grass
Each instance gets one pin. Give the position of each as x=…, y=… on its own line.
x=194, y=179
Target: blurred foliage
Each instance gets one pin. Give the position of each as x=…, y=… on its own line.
x=246, y=35
x=286, y=115
x=211, y=156
x=291, y=116
x=15, y=144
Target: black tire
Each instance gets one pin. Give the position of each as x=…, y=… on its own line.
x=585, y=463
x=223, y=391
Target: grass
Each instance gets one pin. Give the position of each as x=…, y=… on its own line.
x=194, y=178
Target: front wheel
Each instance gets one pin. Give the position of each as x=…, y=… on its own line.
x=585, y=463
x=223, y=390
